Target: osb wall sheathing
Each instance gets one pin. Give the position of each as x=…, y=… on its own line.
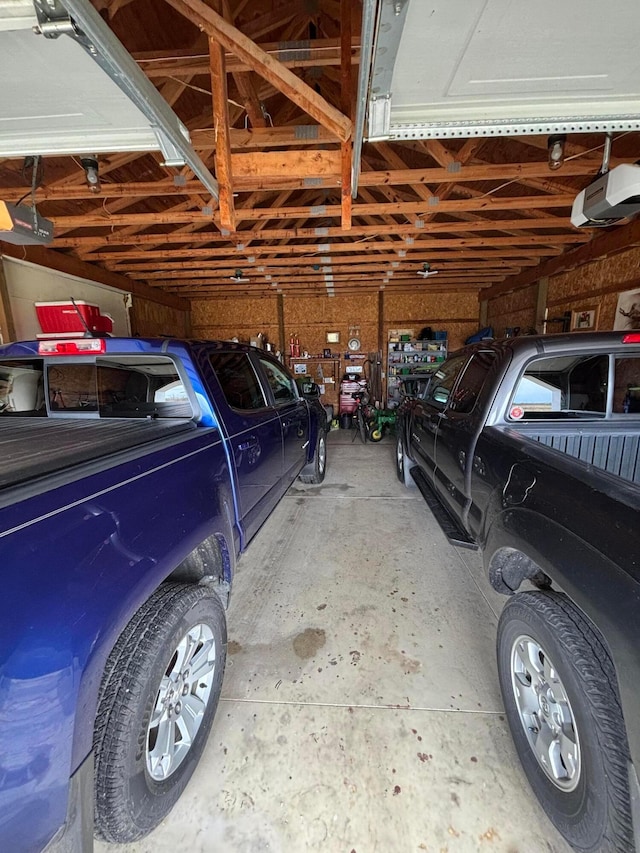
x=310, y=318
x=455, y=313
x=224, y=319
x=150, y=319
x=512, y=310
x=598, y=283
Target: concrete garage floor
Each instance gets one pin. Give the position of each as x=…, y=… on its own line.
x=360, y=710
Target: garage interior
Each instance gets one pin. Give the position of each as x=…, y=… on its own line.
x=301, y=165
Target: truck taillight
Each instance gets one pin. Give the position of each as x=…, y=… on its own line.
x=632, y=338
x=80, y=346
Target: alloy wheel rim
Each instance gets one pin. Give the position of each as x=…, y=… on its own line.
x=545, y=713
x=399, y=456
x=322, y=454
x=181, y=702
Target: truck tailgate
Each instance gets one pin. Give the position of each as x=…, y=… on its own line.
x=33, y=447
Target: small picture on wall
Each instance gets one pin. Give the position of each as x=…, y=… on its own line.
x=628, y=311
x=584, y=320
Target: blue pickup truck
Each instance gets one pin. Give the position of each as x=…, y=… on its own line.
x=134, y=472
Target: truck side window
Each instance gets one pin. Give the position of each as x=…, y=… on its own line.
x=564, y=387
x=443, y=381
x=626, y=389
x=282, y=385
x=238, y=380
x=471, y=383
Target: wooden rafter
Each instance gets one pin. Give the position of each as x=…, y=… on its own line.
x=361, y=231
x=484, y=203
x=252, y=173
x=186, y=63
x=262, y=63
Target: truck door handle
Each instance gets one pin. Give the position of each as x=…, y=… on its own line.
x=247, y=445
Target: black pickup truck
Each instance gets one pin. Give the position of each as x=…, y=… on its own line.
x=529, y=448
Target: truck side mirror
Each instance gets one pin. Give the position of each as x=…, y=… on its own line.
x=308, y=389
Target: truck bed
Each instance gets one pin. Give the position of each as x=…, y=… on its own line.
x=611, y=447
x=33, y=447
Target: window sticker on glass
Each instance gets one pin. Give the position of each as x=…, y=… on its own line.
x=516, y=413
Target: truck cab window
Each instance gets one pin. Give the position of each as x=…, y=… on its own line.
x=238, y=380
x=443, y=381
x=471, y=382
x=565, y=387
x=626, y=389
x=119, y=387
x=282, y=385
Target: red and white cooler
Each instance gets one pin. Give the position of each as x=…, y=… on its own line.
x=66, y=318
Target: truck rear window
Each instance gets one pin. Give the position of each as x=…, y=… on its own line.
x=562, y=387
x=109, y=387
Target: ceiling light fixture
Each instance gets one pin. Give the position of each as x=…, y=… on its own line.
x=426, y=271
x=555, y=147
x=90, y=165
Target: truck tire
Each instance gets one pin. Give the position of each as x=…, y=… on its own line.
x=157, y=701
x=560, y=694
x=403, y=465
x=314, y=471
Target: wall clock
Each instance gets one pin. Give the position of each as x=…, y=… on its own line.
x=354, y=344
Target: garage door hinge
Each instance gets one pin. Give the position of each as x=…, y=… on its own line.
x=53, y=19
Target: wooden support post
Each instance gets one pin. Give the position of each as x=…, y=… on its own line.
x=223, y=146
x=484, y=313
x=345, y=93
x=541, y=306
x=7, y=327
x=281, y=337
x=345, y=192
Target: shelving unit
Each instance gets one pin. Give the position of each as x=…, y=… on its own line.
x=412, y=358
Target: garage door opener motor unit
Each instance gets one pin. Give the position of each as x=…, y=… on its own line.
x=23, y=226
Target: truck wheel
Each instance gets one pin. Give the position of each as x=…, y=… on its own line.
x=403, y=464
x=157, y=701
x=314, y=471
x=560, y=694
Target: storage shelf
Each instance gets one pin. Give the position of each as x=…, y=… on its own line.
x=411, y=359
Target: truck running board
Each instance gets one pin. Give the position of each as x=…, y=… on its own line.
x=450, y=526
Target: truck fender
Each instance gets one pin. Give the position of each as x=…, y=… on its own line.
x=525, y=545
x=509, y=567
x=213, y=560
x=209, y=563
x=520, y=544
